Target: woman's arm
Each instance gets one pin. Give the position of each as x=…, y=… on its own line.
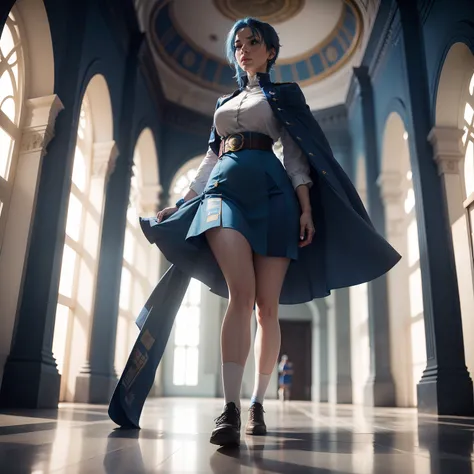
x=298, y=170
x=302, y=192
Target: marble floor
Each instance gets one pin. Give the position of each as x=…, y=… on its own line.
x=303, y=438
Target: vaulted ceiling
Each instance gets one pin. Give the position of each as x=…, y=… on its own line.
x=321, y=41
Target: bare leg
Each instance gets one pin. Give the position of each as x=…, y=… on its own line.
x=269, y=275
x=234, y=256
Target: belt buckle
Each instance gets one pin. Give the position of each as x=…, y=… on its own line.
x=235, y=142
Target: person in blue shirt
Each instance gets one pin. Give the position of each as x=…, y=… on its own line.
x=254, y=230
x=285, y=371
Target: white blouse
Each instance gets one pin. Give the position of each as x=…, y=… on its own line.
x=250, y=111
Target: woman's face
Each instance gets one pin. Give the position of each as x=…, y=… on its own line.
x=251, y=52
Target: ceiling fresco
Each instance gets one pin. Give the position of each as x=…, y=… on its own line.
x=319, y=37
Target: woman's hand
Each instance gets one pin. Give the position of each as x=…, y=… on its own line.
x=166, y=212
x=306, y=229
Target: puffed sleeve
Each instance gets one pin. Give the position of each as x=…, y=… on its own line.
x=207, y=164
x=295, y=161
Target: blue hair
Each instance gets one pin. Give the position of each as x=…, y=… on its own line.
x=259, y=29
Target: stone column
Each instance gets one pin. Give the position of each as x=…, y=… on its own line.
x=343, y=346
x=41, y=116
x=323, y=348
x=30, y=363
x=380, y=388
x=445, y=387
x=103, y=164
x=449, y=156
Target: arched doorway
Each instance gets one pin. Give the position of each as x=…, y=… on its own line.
x=94, y=156
x=407, y=329
x=453, y=141
x=28, y=110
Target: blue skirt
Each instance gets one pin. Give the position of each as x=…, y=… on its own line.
x=248, y=191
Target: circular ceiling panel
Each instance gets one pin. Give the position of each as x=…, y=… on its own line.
x=321, y=38
x=271, y=11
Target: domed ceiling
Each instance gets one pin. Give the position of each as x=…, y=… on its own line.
x=320, y=41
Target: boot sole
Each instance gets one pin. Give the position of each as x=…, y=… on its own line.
x=225, y=439
x=256, y=431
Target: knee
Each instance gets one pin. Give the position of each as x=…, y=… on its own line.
x=266, y=310
x=242, y=299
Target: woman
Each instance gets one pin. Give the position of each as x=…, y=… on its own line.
x=246, y=228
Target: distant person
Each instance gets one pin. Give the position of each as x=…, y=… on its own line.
x=285, y=370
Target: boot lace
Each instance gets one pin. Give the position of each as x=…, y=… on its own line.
x=256, y=412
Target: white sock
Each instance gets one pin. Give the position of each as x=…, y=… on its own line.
x=260, y=387
x=232, y=375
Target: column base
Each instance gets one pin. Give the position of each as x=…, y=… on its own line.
x=324, y=393
x=95, y=388
x=446, y=393
x=380, y=393
x=344, y=391
x=30, y=384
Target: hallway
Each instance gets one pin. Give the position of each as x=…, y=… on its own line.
x=303, y=438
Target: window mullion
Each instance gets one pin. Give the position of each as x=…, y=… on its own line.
x=9, y=126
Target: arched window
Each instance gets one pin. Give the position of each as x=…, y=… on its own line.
x=183, y=178
x=186, y=337
x=468, y=142
x=11, y=100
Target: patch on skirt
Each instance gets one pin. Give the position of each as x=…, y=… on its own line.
x=213, y=210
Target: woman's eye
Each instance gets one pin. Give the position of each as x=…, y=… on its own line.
x=254, y=42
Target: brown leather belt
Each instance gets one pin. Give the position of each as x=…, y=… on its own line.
x=245, y=141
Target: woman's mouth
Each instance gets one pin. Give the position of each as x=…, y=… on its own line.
x=244, y=60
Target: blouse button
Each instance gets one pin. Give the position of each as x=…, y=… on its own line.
x=299, y=138
x=311, y=154
x=279, y=110
x=324, y=172
x=288, y=123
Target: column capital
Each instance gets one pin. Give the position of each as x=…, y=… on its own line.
x=104, y=159
x=447, y=147
x=41, y=116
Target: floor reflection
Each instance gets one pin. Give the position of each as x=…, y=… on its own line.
x=302, y=438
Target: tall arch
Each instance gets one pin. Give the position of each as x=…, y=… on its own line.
x=404, y=281
x=453, y=141
x=27, y=125
x=141, y=261
x=94, y=157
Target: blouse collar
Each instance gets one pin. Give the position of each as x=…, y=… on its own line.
x=259, y=78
